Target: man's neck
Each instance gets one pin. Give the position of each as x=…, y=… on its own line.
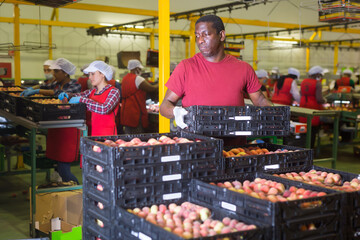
x=216, y=58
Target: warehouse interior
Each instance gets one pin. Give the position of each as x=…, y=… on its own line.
x=264, y=33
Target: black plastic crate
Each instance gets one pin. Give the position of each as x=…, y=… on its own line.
x=298, y=159
x=238, y=121
x=8, y=101
x=37, y=112
x=132, y=227
x=281, y=214
x=351, y=210
x=156, y=163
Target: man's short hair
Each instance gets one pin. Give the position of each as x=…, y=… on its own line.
x=215, y=20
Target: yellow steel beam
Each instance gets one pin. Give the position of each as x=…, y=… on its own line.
x=192, y=37
x=55, y=14
x=152, y=46
x=313, y=36
x=164, y=57
x=319, y=34
x=100, y=8
x=17, y=43
x=255, y=54
x=307, y=59
x=336, y=57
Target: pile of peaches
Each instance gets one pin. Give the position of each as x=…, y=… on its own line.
x=323, y=179
x=247, y=151
x=189, y=220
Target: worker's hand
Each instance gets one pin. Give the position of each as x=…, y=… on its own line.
x=179, y=114
x=74, y=100
x=63, y=95
x=29, y=88
x=29, y=92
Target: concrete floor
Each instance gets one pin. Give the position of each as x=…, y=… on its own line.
x=14, y=197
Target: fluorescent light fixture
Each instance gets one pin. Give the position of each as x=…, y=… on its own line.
x=132, y=26
x=106, y=24
x=285, y=42
x=22, y=81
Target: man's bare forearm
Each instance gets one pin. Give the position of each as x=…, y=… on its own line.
x=166, y=109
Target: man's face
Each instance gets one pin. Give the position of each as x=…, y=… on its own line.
x=208, y=41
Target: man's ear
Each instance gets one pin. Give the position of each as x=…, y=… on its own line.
x=222, y=35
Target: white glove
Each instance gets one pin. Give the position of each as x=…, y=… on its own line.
x=179, y=114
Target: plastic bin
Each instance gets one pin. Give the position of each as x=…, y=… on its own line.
x=298, y=159
x=130, y=226
x=238, y=121
x=351, y=210
x=285, y=217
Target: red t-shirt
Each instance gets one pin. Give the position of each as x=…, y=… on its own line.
x=200, y=82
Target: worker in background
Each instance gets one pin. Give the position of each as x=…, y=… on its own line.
x=211, y=77
x=263, y=77
x=62, y=144
x=114, y=83
x=357, y=75
x=285, y=89
x=345, y=83
x=84, y=80
x=274, y=76
x=48, y=73
x=133, y=115
x=311, y=97
x=102, y=101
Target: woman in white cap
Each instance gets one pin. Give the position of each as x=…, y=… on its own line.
x=285, y=89
x=102, y=102
x=134, y=115
x=311, y=97
x=263, y=77
x=345, y=83
x=62, y=144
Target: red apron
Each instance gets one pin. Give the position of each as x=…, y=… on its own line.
x=308, y=99
x=283, y=95
x=344, y=81
x=62, y=144
x=133, y=107
x=100, y=124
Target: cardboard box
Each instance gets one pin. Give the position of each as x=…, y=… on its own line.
x=296, y=127
x=66, y=205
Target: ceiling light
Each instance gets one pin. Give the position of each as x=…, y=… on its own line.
x=106, y=24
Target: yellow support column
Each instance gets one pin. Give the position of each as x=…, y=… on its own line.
x=164, y=57
x=50, y=42
x=192, y=37
x=307, y=59
x=187, y=48
x=152, y=47
x=255, y=55
x=336, y=57
x=308, y=52
x=17, y=43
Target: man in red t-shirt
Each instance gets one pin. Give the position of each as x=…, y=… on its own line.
x=210, y=77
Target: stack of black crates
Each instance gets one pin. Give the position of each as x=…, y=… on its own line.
x=119, y=178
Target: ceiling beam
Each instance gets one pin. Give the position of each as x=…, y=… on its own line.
x=99, y=8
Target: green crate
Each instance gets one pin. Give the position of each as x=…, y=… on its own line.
x=42, y=161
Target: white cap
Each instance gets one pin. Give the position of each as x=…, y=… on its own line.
x=294, y=71
x=101, y=67
x=261, y=73
x=357, y=73
x=315, y=70
x=65, y=65
x=275, y=70
x=134, y=63
x=325, y=71
x=347, y=71
x=48, y=62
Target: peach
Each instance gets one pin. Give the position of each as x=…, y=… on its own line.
x=257, y=187
x=292, y=197
x=320, y=194
x=135, y=141
x=250, y=227
x=236, y=183
x=119, y=141
x=233, y=223
x=280, y=187
x=247, y=190
x=254, y=194
x=219, y=184
x=207, y=222
x=142, y=214
x=101, y=206
x=100, y=223
x=246, y=183
x=152, y=141
x=228, y=184
x=218, y=227
x=273, y=191
x=281, y=198
x=272, y=198
x=204, y=214
x=99, y=168
x=292, y=189
x=313, y=194
x=286, y=193
x=154, y=209
x=96, y=149
x=225, y=230
x=178, y=231
x=226, y=221
x=300, y=191
x=204, y=232
x=162, y=208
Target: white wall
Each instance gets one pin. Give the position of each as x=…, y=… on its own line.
x=75, y=45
